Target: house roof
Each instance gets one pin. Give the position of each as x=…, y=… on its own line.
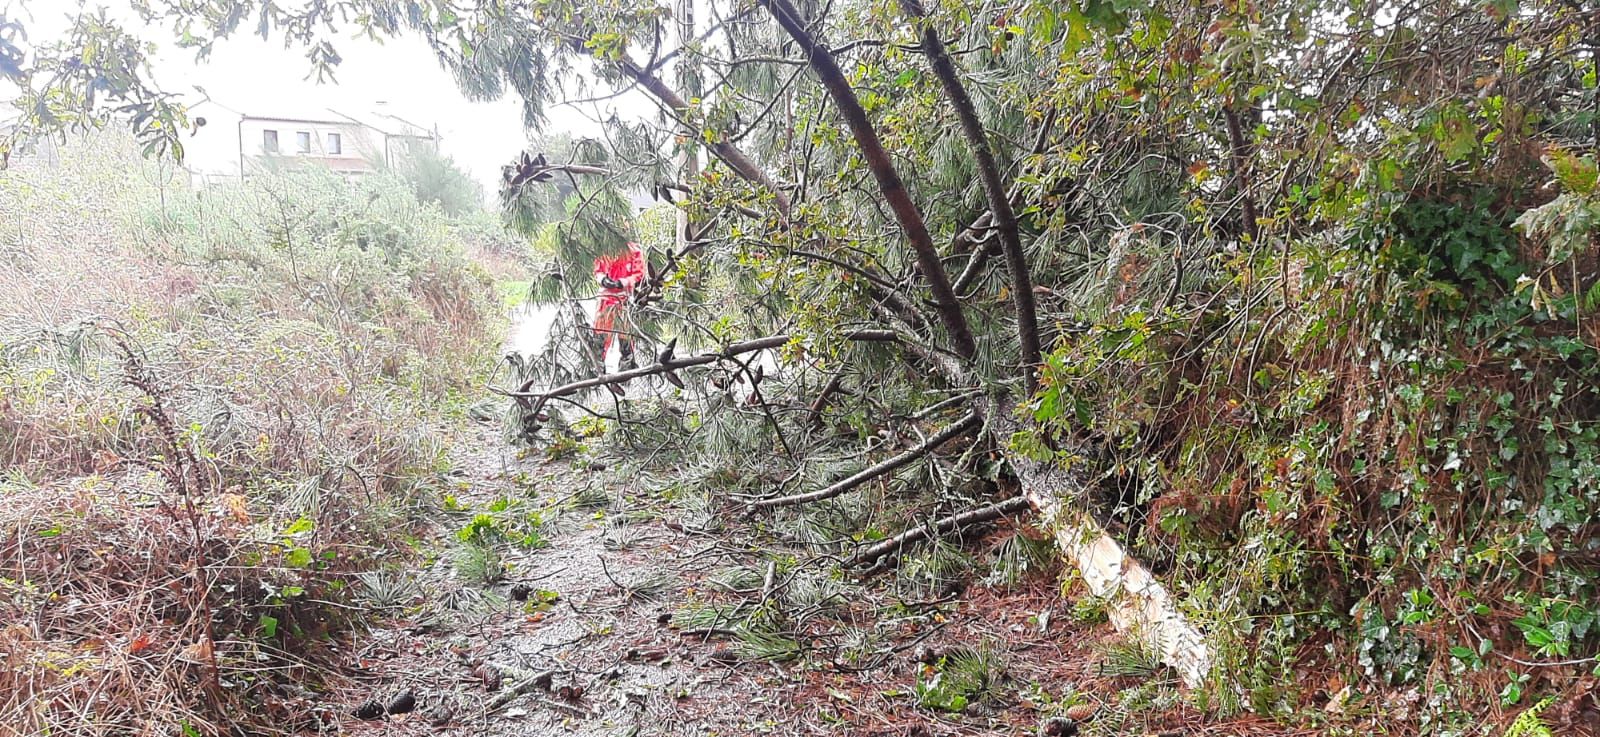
x=303, y=111
x=386, y=123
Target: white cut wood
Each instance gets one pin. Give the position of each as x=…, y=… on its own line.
x=1136, y=603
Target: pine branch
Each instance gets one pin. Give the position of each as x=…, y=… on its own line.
x=879, y=554
x=534, y=401
x=889, y=182
x=876, y=280
x=761, y=400
x=961, y=427
x=943, y=404
x=732, y=155
x=1005, y=219
x=729, y=153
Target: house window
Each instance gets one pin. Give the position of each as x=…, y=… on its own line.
x=269, y=142
x=335, y=144
x=302, y=142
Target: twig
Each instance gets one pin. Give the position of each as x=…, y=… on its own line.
x=766, y=584
x=708, y=632
x=536, y=681
x=766, y=409
x=934, y=408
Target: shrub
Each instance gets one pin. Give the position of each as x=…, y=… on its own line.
x=219, y=407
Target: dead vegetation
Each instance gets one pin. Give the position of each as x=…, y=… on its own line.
x=217, y=410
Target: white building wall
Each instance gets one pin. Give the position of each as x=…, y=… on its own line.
x=216, y=151
x=357, y=150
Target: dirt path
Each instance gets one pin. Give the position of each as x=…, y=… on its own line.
x=615, y=620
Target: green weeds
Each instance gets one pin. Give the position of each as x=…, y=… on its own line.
x=960, y=679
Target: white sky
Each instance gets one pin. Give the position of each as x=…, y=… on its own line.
x=400, y=76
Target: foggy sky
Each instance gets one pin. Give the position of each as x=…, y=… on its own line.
x=400, y=76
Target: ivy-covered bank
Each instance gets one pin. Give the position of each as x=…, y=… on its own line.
x=1370, y=458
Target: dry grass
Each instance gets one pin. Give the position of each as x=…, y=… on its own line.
x=210, y=422
x=106, y=608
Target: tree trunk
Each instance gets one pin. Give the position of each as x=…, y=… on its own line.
x=1137, y=604
x=1005, y=220
x=882, y=167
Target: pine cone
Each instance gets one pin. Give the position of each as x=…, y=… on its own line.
x=370, y=710
x=402, y=703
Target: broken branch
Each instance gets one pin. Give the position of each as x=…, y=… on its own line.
x=878, y=555
x=961, y=426
x=538, y=399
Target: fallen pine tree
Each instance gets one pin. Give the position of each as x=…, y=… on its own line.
x=1254, y=291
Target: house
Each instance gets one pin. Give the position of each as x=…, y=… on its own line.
x=232, y=144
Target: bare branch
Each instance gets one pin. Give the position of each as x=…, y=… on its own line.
x=961, y=427
x=976, y=234
x=980, y=253
x=523, y=395
x=877, y=556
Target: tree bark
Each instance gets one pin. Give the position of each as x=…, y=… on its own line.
x=889, y=182
x=1004, y=218
x=1239, y=154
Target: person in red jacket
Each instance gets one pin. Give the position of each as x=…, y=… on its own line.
x=618, y=276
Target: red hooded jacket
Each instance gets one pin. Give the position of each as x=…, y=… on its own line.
x=627, y=270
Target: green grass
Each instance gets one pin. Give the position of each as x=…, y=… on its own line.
x=512, y=292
